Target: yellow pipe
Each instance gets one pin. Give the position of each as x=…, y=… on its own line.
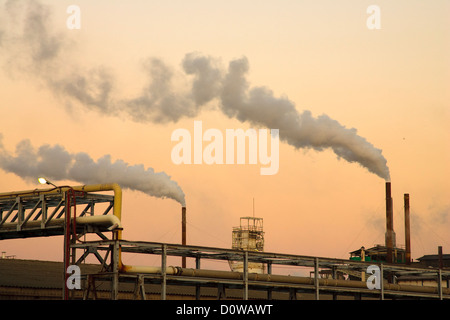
x=117, y=209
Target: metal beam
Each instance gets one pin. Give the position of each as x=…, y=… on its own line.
x=200, y=277
x=163, y=272
x=245, y=275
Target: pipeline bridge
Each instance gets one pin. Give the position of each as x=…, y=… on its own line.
x=75, y=212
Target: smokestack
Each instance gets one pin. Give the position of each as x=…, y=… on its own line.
x=390, y=235
x=57, y=163
x=161, y=100
x=407, y=230
x=441, y=261
x=183, y=234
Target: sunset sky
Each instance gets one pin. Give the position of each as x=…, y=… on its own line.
x=89, y=91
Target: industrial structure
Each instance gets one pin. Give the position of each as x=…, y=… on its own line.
x=84, y=211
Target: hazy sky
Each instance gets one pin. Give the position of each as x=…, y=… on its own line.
x=136, y=71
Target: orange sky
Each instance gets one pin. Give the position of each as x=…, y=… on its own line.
x=390, y=84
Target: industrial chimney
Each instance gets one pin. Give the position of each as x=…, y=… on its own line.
x=390, y=234
x=407, y=230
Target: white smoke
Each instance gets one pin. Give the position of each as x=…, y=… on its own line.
x=259, y=106
x=56, y=163
x=31, y=45
x=162, y=101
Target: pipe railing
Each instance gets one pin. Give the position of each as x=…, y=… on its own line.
x=21, y=221
x=250, y=280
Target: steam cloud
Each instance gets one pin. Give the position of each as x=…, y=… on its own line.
x=56, y=163
x=162, y=101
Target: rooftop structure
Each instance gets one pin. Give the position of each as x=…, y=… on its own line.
x=248, y=236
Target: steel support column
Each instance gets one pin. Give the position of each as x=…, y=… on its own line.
x=381, y=282
x=197, y=286
x=269, y=290
x=334, y=276
x=183, y=234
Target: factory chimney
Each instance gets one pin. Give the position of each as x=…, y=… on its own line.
x=183, y=234
x=390, y=234
x=407, y=230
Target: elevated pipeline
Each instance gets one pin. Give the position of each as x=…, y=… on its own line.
x=270, y=278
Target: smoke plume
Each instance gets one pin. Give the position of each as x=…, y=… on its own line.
x=56, y=163
x=36, y=48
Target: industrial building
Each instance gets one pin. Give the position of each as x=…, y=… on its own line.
x=75, y=212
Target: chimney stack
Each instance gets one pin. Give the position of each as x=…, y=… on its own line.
x=390, y=234
x=183, y=234
x=407, y=230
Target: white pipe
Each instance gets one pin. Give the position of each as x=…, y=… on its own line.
x=109, y=221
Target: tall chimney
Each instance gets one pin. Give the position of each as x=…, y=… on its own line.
x=390, y=235
x=183, y=234
x=441, y=261
x=407, y=230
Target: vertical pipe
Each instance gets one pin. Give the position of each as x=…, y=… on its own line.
x=389, y=224
x=115, y=261
x=407, y=230
x=439, y=283
x=441, y=262
x=197, y=286
x=245, y=275
x=269, y=271
x=183, y=234
x=316, y=278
